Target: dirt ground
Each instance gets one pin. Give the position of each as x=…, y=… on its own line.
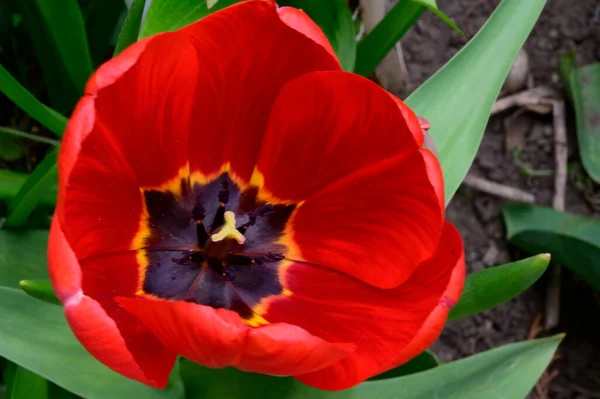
x=565, y=25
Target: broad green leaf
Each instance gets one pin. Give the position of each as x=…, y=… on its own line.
x=424, y=361
x=573, y=240
x=491, y=287
x=101, y=20
x=28, y=103
x=170, y=15
x=18, y=133
x=28, y=385
x=22, y=256
x=131, y=26
x=506, y=372
x=585, y=86
x=377, y=43
x=335, y=19
x=35, y=335
x=42, y=179
x=12, y=183
x=458, y=99
x=40, y=289
x=57, y=31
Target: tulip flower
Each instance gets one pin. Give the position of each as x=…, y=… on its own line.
x=228, y=194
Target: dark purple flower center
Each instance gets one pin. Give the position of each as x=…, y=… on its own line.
x=191, y=256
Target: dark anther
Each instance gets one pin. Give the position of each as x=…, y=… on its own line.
x=235, y=259
x=219, y=218
x=198, y=212
x=201, y=234
x=197, y=256
x=224, y=192
x=217, y=266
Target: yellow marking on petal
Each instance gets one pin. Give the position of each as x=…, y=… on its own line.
x=173, y=184
x=203, y=179
x=228, y=230
x=258, y=180
x=255, y=321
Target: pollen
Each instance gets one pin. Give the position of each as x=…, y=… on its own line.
x=228, y=230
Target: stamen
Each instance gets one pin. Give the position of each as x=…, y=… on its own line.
x=228, y=230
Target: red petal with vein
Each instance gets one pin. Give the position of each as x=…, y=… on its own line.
x=325, y=125
x=217, y=338
x=297, y=19
x=117, y=340
x=381, y=323
x=247, y=54
x=376, y=224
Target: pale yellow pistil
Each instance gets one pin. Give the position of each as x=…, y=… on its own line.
x=228, y=230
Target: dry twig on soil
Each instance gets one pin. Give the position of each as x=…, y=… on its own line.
x=499, y=190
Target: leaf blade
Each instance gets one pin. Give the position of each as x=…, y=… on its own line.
x=573, y=240
x=585, y=89
x=454, y=100
x=28, y=103
x=491, y=287
x=131, y=26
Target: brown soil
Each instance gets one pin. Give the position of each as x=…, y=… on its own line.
x=565, y=25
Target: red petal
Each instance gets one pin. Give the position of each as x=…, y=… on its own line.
x=147, y=110
x=127, y=348
x=235, y=89
x=432, y=327
x=298, y=20
x=376, y=224
x=436, y=178
x=381, y=323
x=411, y=120
x=324, y=126
x=217, y=338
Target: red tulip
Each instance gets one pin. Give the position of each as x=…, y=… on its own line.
x=229, y=195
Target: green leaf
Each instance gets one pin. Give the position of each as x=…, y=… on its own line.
x=424, y=361
x=101, y=20
x=376, y=44
x=40, y=289
x=28, y=385
x=573, y=240
x=22, y=256
x=170, y=15
x=35, y=335
x=506, y=372
x=458, y=99
x=211, y=3
x=335, y=19
x=566, y=63
x=12, y=183
x=131, y=26
x=585, y=85
x=42, y=179
x=28, y=103
x=57, y=31
x=491, y=287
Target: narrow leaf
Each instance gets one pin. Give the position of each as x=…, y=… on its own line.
x=35, y=335
x=28, y=136
x=42, y=179
x=585, y=86
x=170, y=15
x=28, y=103
x=491, y=287
x=131, y=26
x=28, y=385
x=377, y=43
x=57, y=31
x=12, y=183
x=40, y=289
x=573, y=240
x=101, y=20
x=374, y=46
x=458, y=99
x=566, y=63
x=335, y=19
